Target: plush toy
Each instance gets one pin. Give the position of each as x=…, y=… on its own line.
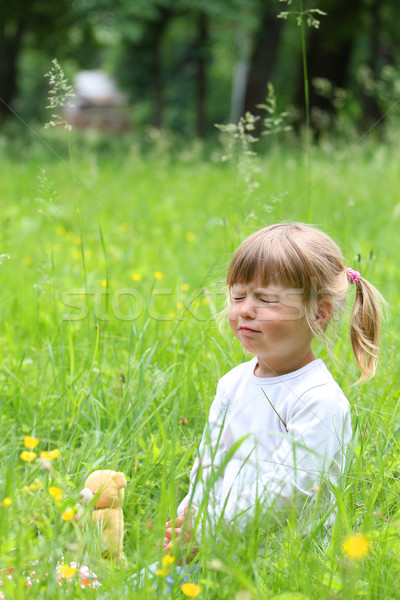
x=106, y=488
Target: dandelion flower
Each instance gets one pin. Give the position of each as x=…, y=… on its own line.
x=190, y=237
x=356, y=546
x=166, y=562
x=104, y=283
x=50, y=454
x=6, y=502
x=136, y=277
x=28, y=456
x=35, y=486
x=68, y=514
x=185, y=287
x=158, y=275
x=30, y=442
x=67, y=571
x=56, y=493
x=191, y=590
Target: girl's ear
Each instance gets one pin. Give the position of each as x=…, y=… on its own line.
x=325, y=309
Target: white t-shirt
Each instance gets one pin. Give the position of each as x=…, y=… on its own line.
x=270, y=441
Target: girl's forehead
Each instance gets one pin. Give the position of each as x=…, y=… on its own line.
x=257, y=285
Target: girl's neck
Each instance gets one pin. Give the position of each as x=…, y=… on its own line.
x=264, y=369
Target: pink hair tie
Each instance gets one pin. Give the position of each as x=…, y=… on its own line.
x=352, y=276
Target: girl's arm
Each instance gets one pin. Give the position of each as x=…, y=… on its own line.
x=210, y=454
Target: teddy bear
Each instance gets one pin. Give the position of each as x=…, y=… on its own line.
x=106, y=489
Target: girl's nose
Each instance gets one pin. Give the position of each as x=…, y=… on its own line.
x=247, y=309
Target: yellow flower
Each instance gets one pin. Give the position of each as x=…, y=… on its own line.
x=60, y=230
x=356, y=546
x=55, y=492
x=158, y=275
x=190, y=237
x=6, y=502
x=172, y=314
x=185, y=287
x=136, y=277
x=57, y=247
x=180, y=305
x=30, y=442
x=67, y=571
x=77, y=254
x=28, y=456
x=34, y=487
x=50, y=455
x=27, y=260
x=68, y=514
x=191, y=589
x=104, y=283
x=167, y=560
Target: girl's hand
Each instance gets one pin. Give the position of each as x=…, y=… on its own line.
x=180, y=530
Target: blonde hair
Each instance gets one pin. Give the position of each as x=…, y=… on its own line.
x=299, y=256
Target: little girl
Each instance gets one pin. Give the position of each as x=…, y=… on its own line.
x=278, y=428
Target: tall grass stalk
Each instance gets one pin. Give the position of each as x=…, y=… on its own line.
x=307, y=109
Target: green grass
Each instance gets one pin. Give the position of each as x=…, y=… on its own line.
x=157, y=228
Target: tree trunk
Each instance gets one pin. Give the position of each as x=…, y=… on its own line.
x=10, y=45
x=262, y=60
x=201, y=64
x=156, y=30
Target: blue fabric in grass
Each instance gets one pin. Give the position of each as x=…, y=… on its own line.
x=170, y=584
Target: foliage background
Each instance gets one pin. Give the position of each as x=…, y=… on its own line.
x=187, y=65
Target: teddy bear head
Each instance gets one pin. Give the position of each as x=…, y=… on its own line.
x=106, y=487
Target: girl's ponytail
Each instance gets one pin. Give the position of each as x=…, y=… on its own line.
x=365, y=324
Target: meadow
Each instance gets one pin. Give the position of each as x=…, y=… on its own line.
x=112, y=283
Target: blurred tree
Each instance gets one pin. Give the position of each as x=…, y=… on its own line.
x=57, y=28
x=263, y=56
x=178, y=58
x=359, y=33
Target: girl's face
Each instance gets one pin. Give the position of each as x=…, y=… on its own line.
x=270, y=322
